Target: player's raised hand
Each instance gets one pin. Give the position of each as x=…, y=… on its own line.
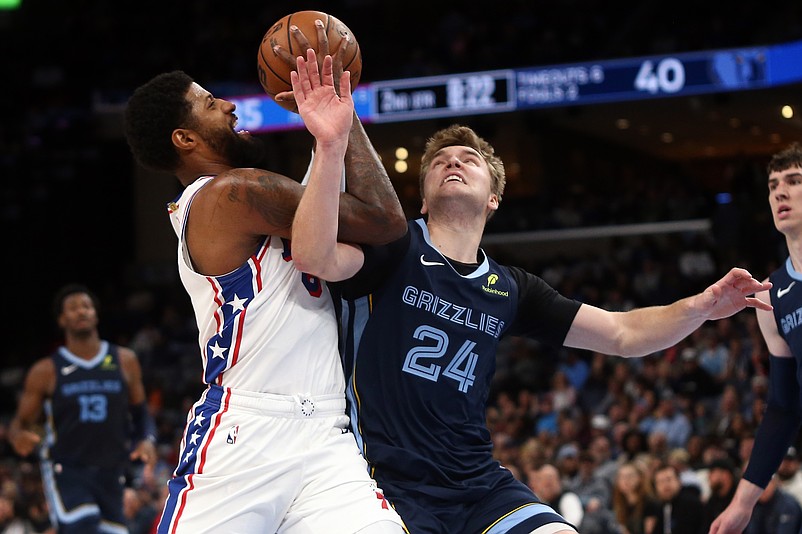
x=731, y=294
x=327, y=115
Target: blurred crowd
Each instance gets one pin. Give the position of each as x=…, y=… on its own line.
x=601, y=438
x=595, y=428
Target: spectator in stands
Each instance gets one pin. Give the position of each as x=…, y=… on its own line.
x=679, y=459
x=593, y=490
x=775, y=512
x=789, y=475
x=567, y=461
x=671, y=422
x=723, y=479
x=632, y=498
x=546, y=483
x=678, y=510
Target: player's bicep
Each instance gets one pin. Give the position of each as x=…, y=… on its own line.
x=258, y=202
x=768, y=327
x=39, y=385
x=594, y=329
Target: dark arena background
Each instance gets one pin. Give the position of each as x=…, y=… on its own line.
x=635, y=137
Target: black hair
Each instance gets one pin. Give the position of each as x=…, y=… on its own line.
x=154, y=110
x=69, y=290
x=786, y=159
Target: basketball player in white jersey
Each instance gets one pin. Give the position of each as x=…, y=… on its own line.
x=266, y=448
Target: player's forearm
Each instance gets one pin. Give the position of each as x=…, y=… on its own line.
x=372, y=213
x=315, y=227
x=746, y=495
x=655, y=328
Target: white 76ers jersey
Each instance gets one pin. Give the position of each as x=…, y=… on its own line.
x=264, y=327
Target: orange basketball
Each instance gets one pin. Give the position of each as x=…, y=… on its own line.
x=274, y=72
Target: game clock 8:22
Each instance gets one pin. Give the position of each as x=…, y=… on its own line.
x=442, y=96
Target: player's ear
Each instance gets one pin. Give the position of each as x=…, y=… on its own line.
x=183, y=138
x=493, y=202
x=424, y=209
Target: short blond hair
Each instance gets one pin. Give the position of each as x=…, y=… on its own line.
x=457, y=135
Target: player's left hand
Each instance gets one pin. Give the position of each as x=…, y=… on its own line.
x=731, y=294
x=145, y=451
x=327, y=115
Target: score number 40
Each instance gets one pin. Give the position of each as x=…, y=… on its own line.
x=668, y=76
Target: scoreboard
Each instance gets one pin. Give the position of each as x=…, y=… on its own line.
x=548, y=86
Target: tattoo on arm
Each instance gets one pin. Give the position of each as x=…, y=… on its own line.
x=269, y=195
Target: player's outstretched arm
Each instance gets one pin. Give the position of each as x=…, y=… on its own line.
x=643, y=331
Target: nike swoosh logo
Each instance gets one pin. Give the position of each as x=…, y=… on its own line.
x=429, y=263
x=781, y=292
x=69, y=369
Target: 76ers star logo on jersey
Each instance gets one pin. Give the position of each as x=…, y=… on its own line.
x=232, y=434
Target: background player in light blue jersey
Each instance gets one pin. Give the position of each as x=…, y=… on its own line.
x=422, y=318
x=782, y=332
x=92, y=395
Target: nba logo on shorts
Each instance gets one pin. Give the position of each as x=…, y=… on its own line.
x=232, y=434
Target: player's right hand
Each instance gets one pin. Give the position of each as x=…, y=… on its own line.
x=25, y=442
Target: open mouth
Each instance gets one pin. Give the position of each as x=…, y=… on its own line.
x=453, y=178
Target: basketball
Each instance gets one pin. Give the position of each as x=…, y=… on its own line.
x=274, y=72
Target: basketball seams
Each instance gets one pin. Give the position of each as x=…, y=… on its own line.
x=276, y=75
x=266, y=64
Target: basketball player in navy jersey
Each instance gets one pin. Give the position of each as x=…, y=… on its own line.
x=96, y=420
x=422, y=318
x=266, y=447
x=782, y=332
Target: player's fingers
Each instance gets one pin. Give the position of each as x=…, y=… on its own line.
x=322, y=38
x=312, y=69
x=285, y=55
x=299, y=37
x=339, y=59
x=328, y=74
x=345, y=40
x=297, y=89
x=754, y=302
x=345, y=87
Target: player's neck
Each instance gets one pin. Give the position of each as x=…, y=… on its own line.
x=456, y=242
x=794, y=244
x=83, y=345
x=191, y=171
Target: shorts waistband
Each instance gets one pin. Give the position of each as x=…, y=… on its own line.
x=282, y=405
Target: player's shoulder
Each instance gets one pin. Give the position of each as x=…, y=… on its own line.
x=42, y=374
x=127, y=356
x=248, y=186
x=247, y=176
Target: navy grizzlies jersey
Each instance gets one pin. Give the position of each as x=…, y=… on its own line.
x=786, y=297
x=89, y=407
x=419, y=351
